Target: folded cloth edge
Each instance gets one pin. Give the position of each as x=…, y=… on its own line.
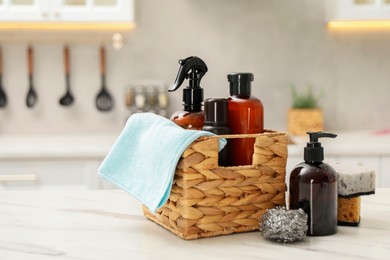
x=167, y=185
x=165, y=192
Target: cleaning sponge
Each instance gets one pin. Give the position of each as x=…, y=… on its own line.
x=354, y=180
x=348, y=212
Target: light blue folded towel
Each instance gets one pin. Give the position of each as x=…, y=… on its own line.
x=143, y=159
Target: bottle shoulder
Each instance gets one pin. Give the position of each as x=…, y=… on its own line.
x=189, y=120
x=218, y=130
x=320, y=172
x=182, y=113
x=243, y=99
x=250, y=101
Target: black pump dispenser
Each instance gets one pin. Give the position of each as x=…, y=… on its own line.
x=193, y=69
x=314, y=152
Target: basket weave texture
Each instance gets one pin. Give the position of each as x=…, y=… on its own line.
x=302, y=120
x=208, y=200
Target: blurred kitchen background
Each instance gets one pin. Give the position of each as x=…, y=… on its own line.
x=281, y=42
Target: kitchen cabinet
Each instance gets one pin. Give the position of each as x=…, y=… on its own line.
x=46, y=162
x=59, y=174
x=48, y=174
x=55, y=12
x=385, y=169
x=357, y=10
x=63, y=161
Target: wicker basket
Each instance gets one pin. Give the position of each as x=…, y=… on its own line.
x=207, y=200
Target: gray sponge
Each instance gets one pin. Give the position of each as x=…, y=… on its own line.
x=354, y=180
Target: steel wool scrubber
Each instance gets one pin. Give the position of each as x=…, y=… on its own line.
x=284, y=225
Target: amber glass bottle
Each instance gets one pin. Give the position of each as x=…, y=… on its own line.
x=313, y=188
x=245, y=117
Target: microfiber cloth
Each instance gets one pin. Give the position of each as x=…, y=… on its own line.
x=143, y=159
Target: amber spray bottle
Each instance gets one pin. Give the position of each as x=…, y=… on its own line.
x=246, y=114
x=313, y=187
x=192, y=116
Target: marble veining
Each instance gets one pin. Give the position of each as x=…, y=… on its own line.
x=28, y=249
x=108, y=224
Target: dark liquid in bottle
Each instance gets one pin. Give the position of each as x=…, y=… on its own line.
x=314, y=189
x=245, y=117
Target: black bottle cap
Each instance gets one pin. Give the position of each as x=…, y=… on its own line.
x=216, y=112
x=240, y=83
x=314, y=152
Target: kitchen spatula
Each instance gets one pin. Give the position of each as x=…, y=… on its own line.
x=104, y=101
x=32, y=96
x=3, y=96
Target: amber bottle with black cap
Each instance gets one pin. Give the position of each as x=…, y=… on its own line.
x=216, y=121
x=192, y=116
x=313, y=188
x=245, y=117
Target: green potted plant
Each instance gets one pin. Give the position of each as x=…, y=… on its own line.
x=305, y=113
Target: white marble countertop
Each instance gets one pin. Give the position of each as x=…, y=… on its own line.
x=109, y=225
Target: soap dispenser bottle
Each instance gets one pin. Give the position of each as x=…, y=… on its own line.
x=313, y=187
x=246, y=114
x=192, y=116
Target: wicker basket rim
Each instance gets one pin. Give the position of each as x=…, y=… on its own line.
x=267, y=132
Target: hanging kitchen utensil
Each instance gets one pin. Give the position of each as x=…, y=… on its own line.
x=3, y=96
x=104, y=101
x=68, y=98
x=32, y=96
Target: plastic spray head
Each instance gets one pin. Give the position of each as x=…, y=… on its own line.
x=314, y=152
x=193, y=69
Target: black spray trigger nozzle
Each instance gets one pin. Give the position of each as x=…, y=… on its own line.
x=192, y=68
